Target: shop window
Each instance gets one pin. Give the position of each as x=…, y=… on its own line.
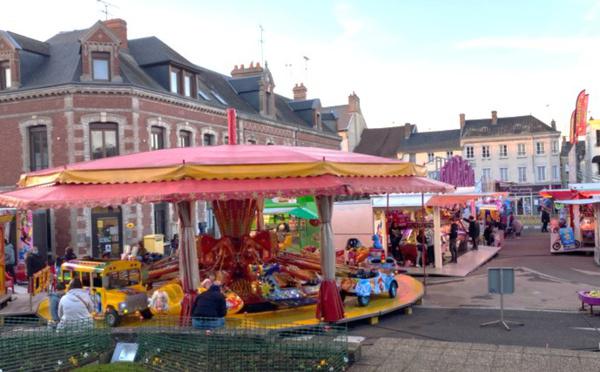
x=157, y=138
x=101, y=66
x=185, y=138
x=38, y=148
x=208, y=139
x=104, y=141
x=5, y=75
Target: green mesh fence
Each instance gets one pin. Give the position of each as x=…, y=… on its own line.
x=165, y=345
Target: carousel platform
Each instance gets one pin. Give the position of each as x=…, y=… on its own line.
x=467, y=263
x=410, y=291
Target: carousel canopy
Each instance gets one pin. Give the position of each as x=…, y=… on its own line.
x=217, y=173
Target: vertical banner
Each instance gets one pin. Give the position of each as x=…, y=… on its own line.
x=572, y=131
x=24, y=233
x=581, y=114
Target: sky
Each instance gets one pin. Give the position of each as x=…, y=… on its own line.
x=419, y=61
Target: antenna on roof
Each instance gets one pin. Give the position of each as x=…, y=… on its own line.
x=262, y=47
x=306, y=59
x=106, y=5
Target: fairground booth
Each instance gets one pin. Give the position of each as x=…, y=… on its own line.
x=237, y=179
x=397, y=218
x=575, y=228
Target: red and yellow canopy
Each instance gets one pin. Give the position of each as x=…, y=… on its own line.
x=217, y=173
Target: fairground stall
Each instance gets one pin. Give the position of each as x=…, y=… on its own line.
x=576, y=227
x=236, y=179
x=294, y=221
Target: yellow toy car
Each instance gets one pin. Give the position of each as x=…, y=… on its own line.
x=115, y=288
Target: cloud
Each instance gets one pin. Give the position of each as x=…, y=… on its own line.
x=349, y=20
x=545, y=44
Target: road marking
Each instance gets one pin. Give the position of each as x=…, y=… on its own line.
x=586, y=329
x=587, y=272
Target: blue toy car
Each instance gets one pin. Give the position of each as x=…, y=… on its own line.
x=363, y=284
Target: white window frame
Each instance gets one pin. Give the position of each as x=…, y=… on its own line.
x=541, y=171
x=539, y=148
x=504, y=174
x=485, y=152
x=503, y=154
x=555, y=147
x=522, y=171
x=488, y=176
x=430, y=156
x=521, y=146
x=555, y=172
x=469, y=152
x=449, y=154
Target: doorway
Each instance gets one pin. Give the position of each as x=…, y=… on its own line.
x=107, y=231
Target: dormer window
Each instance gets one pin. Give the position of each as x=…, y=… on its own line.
x=174, y=79
x=203, y=95
x=187, y=84
x=5, y=75
x=218, y=97
x=101, y=66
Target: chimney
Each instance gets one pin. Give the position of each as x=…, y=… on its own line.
x=553, y=124
x=462, y=121
x=494, y=117
x=119, y=27
x=299, y=92
x=353, y=103
x=242, y=71
x=407, y=130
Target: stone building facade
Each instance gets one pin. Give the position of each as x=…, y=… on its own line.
x=93, y=93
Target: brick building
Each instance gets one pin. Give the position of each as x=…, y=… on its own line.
x=93, y=93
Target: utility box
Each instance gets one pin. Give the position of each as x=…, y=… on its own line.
x=155, y=243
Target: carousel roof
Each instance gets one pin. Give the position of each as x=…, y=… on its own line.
x=217, y=173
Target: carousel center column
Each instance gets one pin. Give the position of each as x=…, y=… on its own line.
x=330, y=306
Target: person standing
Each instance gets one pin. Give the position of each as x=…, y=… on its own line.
x=75, y=307
x=209, y=308
x=9, y=259
x=473, y=231
x=453, y=236
x=545, y=220
x=54, y=299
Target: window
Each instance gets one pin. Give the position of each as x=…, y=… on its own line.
x=539, y=148
x=449, y=154
x=485, y=151
x=522, y=174
x=430, y=156
x=103, y=140
x=251, y=141
x=504, y=174
x=38, y=148
x=160, y=218
x=187, y=85
x=5, y=75
x=469, y=152
x=218, y=97
x=208, y=139
x=174, y=79
x=503, y=151
x=226, y=140
x=203, y=95
x=598, y=138
x=412, y=158
x=270, y=143
x=100, y=66
x=554, y=146
x=486, y=174
x=541, y=173
x=555, y=172
x=521, y=149
x=185, y=138
x=157, y=138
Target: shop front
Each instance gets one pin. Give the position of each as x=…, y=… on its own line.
x=525, y=199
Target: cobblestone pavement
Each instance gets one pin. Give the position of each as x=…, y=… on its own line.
x=413, y=355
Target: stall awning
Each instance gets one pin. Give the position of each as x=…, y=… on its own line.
x=74, y=196
x=580, y=201
x=450, y=200
x=560, y=194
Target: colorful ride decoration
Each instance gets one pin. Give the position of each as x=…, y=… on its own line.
x=223, y=174
x=458, y=172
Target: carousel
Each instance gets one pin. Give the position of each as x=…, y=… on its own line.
x=237, y=179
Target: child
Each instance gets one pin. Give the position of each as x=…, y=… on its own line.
x=54, y=299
